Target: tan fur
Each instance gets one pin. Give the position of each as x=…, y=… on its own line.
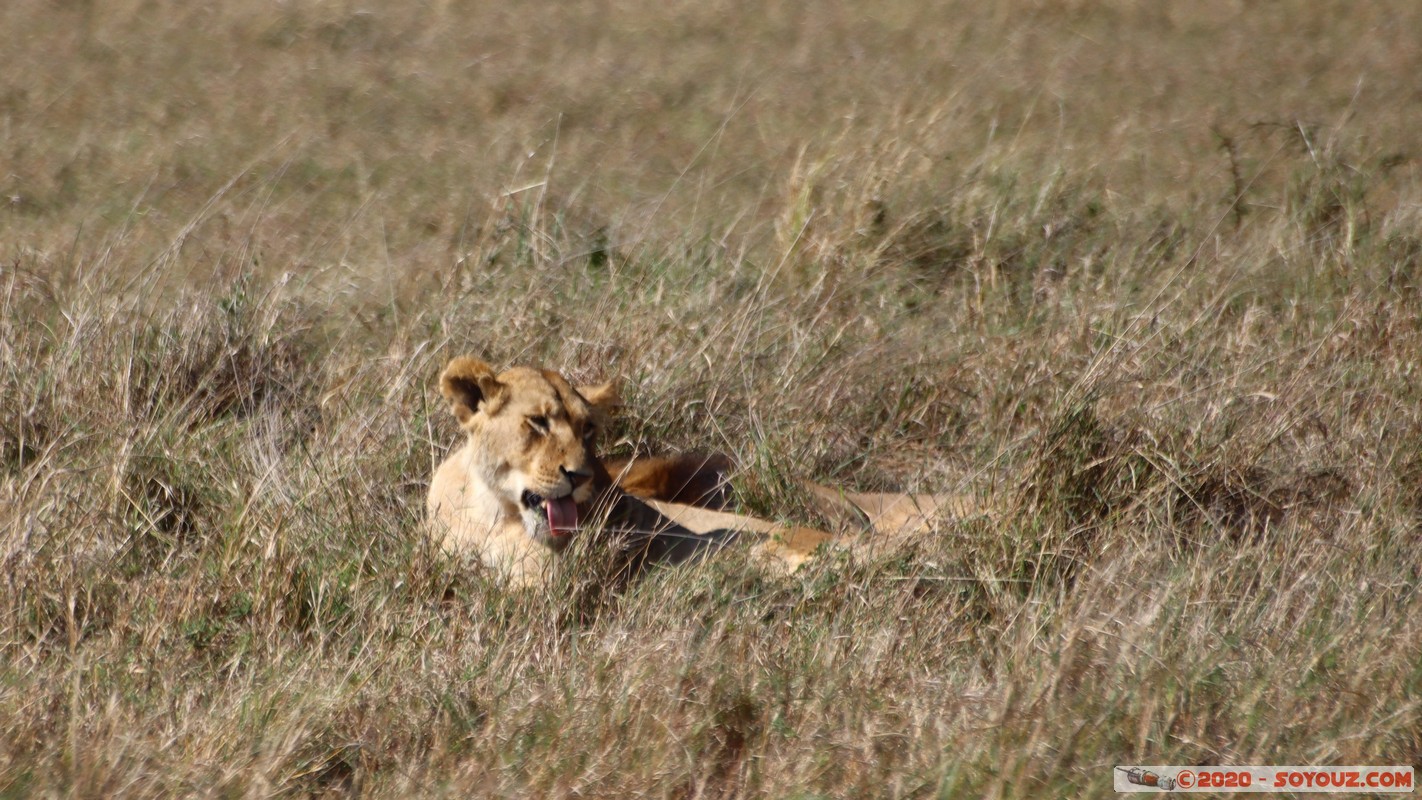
x=888, y=515
x=693, y=479
x=783, y=547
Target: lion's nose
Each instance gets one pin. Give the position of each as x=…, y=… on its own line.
x=576, y=478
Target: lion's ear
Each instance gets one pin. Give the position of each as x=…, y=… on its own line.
x=470, y=385
x=605, y=399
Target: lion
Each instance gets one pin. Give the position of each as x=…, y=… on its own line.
x=528, y=477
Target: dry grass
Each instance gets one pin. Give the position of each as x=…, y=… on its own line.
x=1148, y=277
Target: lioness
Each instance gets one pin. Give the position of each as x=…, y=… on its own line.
x=529, y=476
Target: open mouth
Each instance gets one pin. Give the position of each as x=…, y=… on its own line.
x=562, y=512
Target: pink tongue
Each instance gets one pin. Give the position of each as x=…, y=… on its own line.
x=562, y=514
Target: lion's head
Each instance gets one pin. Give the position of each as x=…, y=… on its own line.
x=532, y=440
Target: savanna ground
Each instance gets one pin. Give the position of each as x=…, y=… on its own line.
x=1146, y=277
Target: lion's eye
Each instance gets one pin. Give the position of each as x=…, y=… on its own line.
x=539, y=424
